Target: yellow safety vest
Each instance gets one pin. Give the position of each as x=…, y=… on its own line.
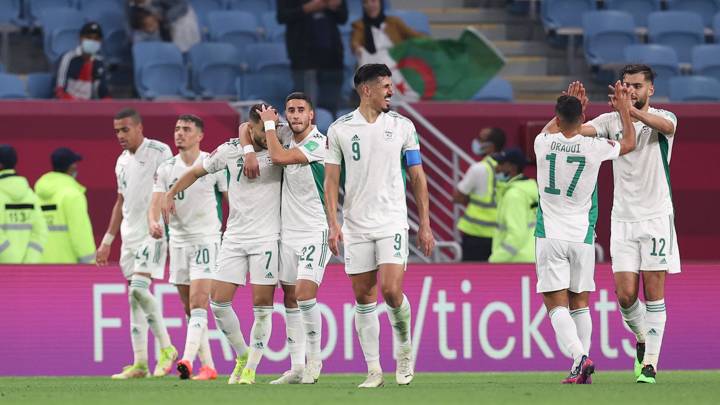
x=480, y=218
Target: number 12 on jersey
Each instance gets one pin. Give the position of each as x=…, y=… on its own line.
x=551, y=189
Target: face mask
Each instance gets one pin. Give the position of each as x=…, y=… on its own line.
x=477, y=147
x=502, y=176
x=90, y=46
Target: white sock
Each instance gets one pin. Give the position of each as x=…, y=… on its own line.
x=197, y=325
x=634, y=317
x=566, y=333
x=312, y=326
x=367, y=326
x=259, y=335
x=138, y=331
x=295, y=337
x=400, y=321
x=140, y=292
x=583, y=323
x=204, y=352
x=655, y=318
x=229, y=324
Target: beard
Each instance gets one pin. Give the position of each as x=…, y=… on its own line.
x=640, y=103
x=385, y=109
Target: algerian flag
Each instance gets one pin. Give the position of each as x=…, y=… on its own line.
x=447, y=69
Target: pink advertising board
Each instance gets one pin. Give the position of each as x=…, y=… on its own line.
x=73, y=320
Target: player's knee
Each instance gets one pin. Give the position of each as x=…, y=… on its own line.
x=626, y=297
x=393, y=295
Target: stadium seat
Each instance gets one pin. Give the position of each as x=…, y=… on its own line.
x=116, y=41
x=680, y=30
x=606, y=34
x=662, y=59
x=92, y=10
x=716, y=27
x=239, y=28
x=202, y=8
x=497, y=90
x=160, y=71
x=61, y=29
x=11, y=87
x=215, y=67
x=414, y=19
x=274, y=31
x=694, y=88
x=40, y=85
x=556, y=14
x=269, y=77
x=639, y=9
x=706, y=60
x=10, y=12
x=704, y=8
x=35, y=8
x=257, y=7
x=323, y=119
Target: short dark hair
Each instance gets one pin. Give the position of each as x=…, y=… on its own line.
x=298, y=95
x=646, y=70
x=496, y=136
x=137, y=17
x=569, y=109
x=255, y=112
x=129, y=113
x=194, y=119
x=370, y=71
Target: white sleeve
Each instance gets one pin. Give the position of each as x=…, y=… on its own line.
x=118, y=177
x=602, y=125
x=412, y=140
x=605, y=149
x=315, y=149
x=221, y=181
x=668, y=116
x=217, y=160
x=160, y=183
x=475, y=180
x=334, y=152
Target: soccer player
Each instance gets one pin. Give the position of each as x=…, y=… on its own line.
x=377, y=147
x=304, y=251
x=194, y=239
x=142, y=257
x=568, y=166
x=250, y=242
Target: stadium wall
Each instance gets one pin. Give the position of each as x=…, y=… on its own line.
x=73, y=320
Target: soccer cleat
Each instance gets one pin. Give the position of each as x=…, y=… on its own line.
x=289, y=377
x=247, y=377
x=640, y=355
x=206, y=373
x=184, y=368
x=164, y=365
x=312, y=372
x=404, y=372
x=240, y=363
x=647, y=375
x=581, y=373
x=373, y=380
x=133, y=371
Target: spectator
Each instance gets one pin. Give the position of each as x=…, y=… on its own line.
x=178, y=18
x=514, y=241
x=22, y=227
x=70, y=234
x=81, y=74
x=145, y=25
x=478, y=192
x=377, y=32
x=314, y=47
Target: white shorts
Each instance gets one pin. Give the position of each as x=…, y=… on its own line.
x=146, y=257
x=236, y=260
x=644, y=246
x=195, y=262
x=563, y=265
x=366, y=252
x=304, y=257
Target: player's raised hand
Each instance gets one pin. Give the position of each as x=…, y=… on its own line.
x=168, y=207
x=102, y=254
x=267, y=113
x=425, y=240
x=335, y=239
x=623, y=102
x=577, y=89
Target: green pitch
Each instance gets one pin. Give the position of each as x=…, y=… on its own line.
x=611, y=388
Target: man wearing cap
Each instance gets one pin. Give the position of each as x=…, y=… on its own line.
x=514, y=241
x=81, y=73
x=70, y=235
x=22, y=227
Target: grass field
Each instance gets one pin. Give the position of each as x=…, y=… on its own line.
x=616, y=388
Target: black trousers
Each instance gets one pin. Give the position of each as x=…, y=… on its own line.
x=476, y=249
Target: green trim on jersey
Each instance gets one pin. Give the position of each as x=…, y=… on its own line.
x=592, y=218
x=664, y=147
x=318, y=172
x=156, y=146
x=540, y=222
x=218, y=200
x=403, y=169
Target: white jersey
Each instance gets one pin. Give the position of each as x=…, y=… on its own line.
x=642, y=177
x=372, y=155
x=303, y=196
x=134, y=173
x=196, y=220
x=254, y=204
x=567, y=172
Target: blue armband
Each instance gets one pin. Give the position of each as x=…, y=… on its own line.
x=412, y=158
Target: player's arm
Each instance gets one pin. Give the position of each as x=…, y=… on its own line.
x=662, y=125
x=278, y=154
x=154, y=213
x=251, y=166
x=418, y=183
x=623, y=105
x=185, y=181
x=332, y=189
x=116, y=217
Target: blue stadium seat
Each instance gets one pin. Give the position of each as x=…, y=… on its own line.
x=606, y=34
x=40, y=85
x=663, y=59
x=694, y=88
x=116, y=40
x=35, y=8
x=10, y=12
x=202, y=9
x=680, y=30
x=497, y=90
x=61, y=29
x=239, y=28
x=269, y=76
x=92, y=10
x=557, y=14
x=11, y=87
x=704, y=8
x=215, y=68
x=716, y=27
x=323, y=119
x=274, y=31
x=257, y=7
x=160, y=71
x=414, y=19
x=706, y=60
x=639, y=9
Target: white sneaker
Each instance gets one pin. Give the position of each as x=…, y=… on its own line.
x=373, y=380
x=404, y=372
x=312, y=372
x=289, y=377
